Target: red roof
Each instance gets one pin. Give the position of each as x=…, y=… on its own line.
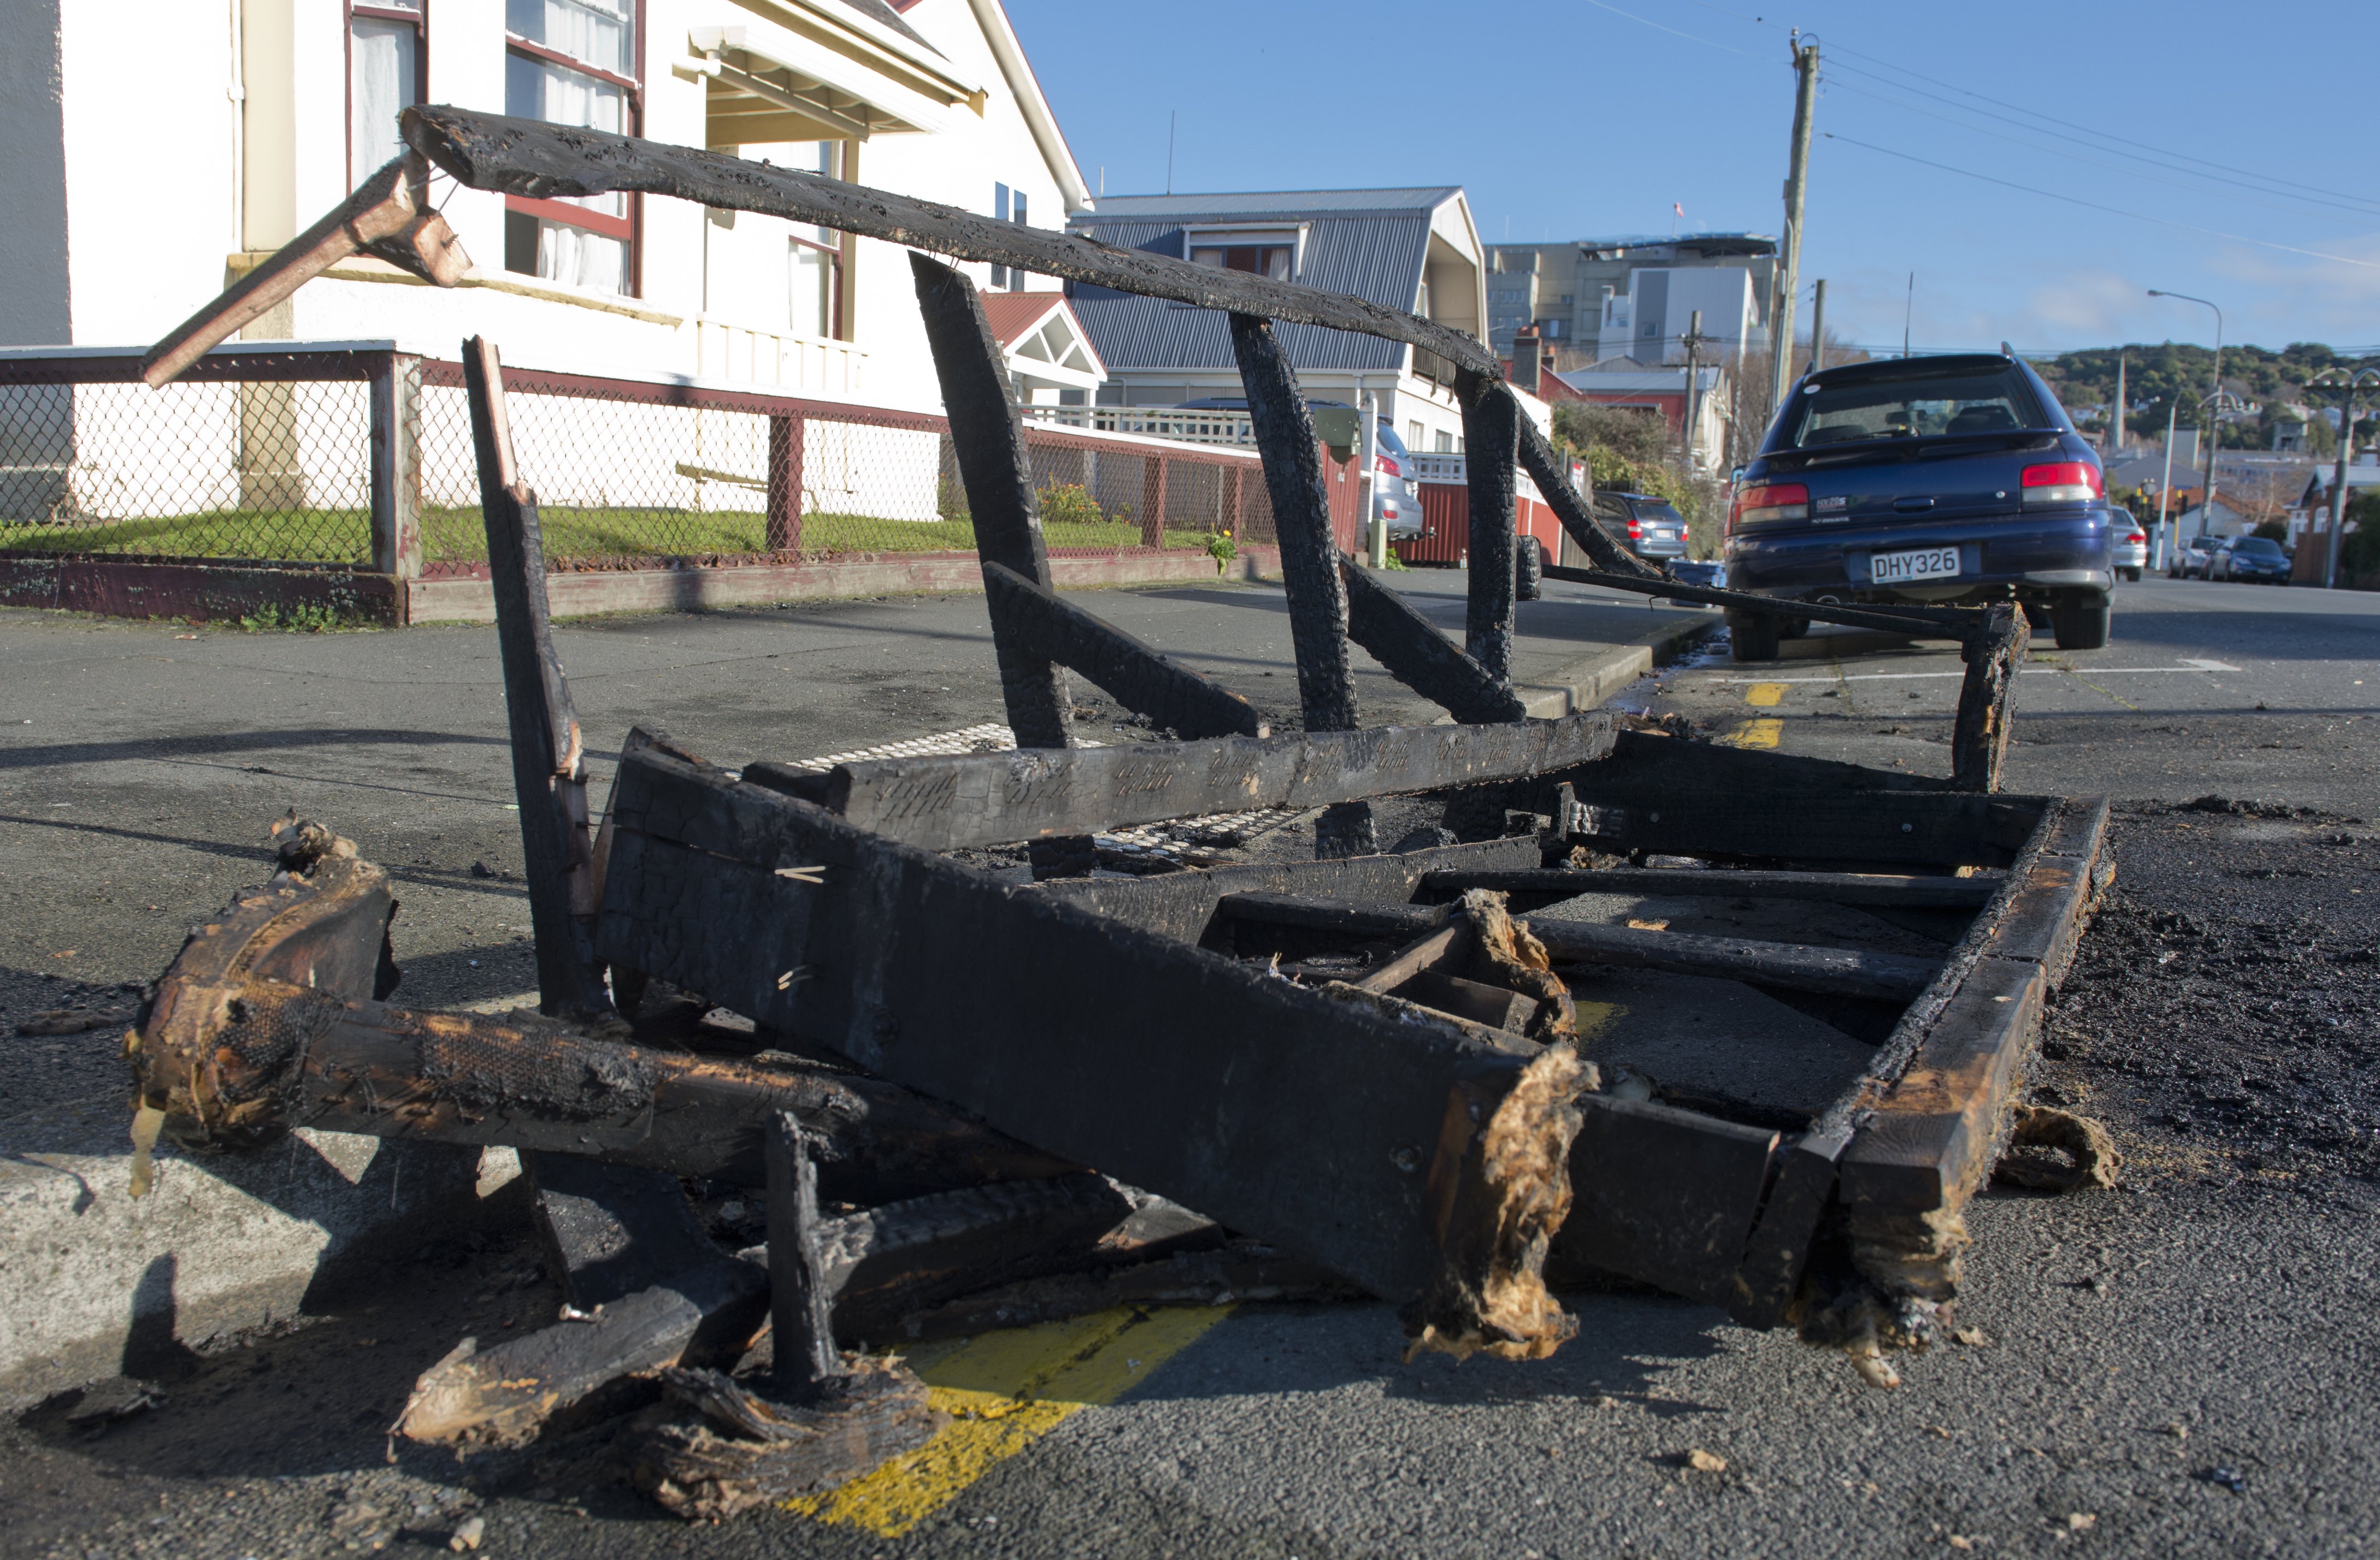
x=1012, y=314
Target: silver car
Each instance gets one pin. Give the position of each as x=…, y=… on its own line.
x=2128, y=544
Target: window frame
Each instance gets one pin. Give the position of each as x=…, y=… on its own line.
x=628, y=229
x=419, y=15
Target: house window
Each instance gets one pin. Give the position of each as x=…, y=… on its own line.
x=1008, y=205
x=1259, y=259
x=572, y=62
x=813, y=267
x=1445, y=442
x=384, y=77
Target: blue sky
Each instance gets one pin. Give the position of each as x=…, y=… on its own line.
x=1565, y=118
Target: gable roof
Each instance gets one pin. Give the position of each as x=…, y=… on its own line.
x=1372, y=243
x=1042, y=336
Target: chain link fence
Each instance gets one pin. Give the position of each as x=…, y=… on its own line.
x=363, y=457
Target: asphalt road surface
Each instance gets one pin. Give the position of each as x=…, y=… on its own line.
x=2182, y=1365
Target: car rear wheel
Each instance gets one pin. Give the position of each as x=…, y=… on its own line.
x=1752, y=638
x=2081, y=624
x=2133, y=576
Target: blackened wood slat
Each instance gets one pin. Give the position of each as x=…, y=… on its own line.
x=1181, y=905
x=1979, y=737
x=1551, y=474
x=1417, y=655
x=1824, y=887
x=1491, y=420
x=1664, y=1197
x=1035, y=618
x=548, y=752
x=1344, y=1126
x=1778, y=1248
x=942, y=802
x=1932, y=1138
x=1309, y=560
x=805, y=1357
x=504, y=1396
x=1424, y=952
x=531, y=157
x=1847, y=971
x=2048, y=912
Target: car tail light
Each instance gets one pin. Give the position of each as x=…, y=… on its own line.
x=1770, y=501
x=1391, y=467
x=1636, y=530
x=2067, y=481
x=2140, y=536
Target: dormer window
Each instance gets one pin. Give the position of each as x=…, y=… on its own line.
x=1259, y=259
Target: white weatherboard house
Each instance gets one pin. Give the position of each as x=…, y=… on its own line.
x=1415, y=249
x=150, y=151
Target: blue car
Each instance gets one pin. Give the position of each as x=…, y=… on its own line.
x=2252, y=558
x=1954, y=479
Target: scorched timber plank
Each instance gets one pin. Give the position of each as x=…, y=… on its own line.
x=1824, y=888
x=1338, y=1125
x=943, y=802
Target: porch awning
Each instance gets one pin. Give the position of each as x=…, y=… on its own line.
x=769, y=84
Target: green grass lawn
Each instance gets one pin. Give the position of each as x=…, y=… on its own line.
x=332, y=536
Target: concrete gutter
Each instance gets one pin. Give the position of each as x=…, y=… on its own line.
x=1584, y=684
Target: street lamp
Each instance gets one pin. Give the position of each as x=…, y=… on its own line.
x=2214, y=391
x=2347, y=383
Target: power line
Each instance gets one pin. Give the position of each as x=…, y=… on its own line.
x=2094, y=205
x=1648, y=21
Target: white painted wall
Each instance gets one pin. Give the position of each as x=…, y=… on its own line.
x=35, y=303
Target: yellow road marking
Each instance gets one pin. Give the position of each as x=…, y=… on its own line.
x=1767, y=696
x=1754, y=733
x=1004, y=1391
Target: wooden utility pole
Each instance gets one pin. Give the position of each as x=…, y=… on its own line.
x=2115, y=413
x=1788, y=267
x=1819, y=325
x=1694, y=343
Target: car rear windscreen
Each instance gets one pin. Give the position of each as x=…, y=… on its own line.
x=1998, y=402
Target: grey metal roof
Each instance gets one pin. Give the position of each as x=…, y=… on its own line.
x=1271, y=203
x=1374, y=252
x=879, y=12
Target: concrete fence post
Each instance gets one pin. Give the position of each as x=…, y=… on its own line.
x=397, y=466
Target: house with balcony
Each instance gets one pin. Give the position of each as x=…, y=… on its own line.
x=276, y=108
x=1414, y=249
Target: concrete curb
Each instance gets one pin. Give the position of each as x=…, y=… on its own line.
x=1584, y=684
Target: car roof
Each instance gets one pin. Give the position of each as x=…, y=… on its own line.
x=1889, y=368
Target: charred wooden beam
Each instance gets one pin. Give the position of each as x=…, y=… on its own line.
x=1667, y=1197
x=1551, y=474
x=1007, y=517
x=1038, y=621
x=549, y=752
x=1824, y=887
x=804, y=1359
x=531, y=157
x=943, y=801
x=1777, y=1253
x=1309, y=561
x=507, y=1395
x=1845, y=972
x=1341, y=1126
x=1946, y=622
x=229, y=1063
x=730, y=1449
x=1417, y=655
x=1491, y=420
x=1979, y=741
x=383, y=217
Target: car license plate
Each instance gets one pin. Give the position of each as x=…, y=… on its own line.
x=1930, y=563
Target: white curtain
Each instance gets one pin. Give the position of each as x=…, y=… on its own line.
x=381, y=88
x=599, y=32
x=581, y=258
x=534, y=89
x=809, y=309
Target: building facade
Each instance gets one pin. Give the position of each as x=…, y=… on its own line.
x=1414, y=249
x=1632, y=298
x=281, y=107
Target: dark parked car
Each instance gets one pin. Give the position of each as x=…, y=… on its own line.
x=1955, y=479
x=1396, y=500
x=2253, y=558
x=1647, y=526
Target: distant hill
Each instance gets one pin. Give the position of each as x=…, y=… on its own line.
x=2154, y=375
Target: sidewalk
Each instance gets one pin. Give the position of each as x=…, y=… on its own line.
x=140, y=765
